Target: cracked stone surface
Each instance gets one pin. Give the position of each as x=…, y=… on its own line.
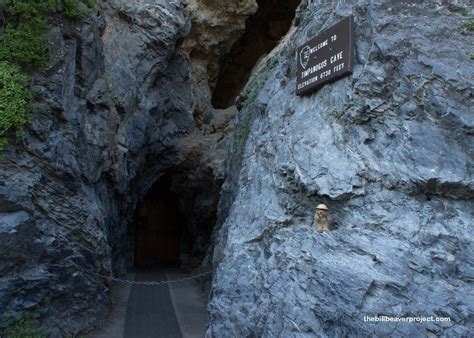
x=109, y=123
x=389, y=150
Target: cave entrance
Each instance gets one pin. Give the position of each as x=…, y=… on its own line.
x=262, y=32
x=159, y=226
x=174, y=222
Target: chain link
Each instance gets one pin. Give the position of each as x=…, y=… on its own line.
x=154, y=283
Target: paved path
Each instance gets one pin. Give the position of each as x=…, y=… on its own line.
x=190, y=304
x=150, y=312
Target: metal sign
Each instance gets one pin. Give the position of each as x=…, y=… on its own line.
x=326, y=57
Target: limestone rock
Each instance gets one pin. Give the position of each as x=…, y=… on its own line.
x=389, y=150
x=117, y=111
x=109, y=124
x=216, y=24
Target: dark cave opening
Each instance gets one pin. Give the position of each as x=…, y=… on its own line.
x=173, y=223
x=263, y=30
x=159, y=226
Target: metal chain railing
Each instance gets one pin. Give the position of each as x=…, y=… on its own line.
x=153, y=283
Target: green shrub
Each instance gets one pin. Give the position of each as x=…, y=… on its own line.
x=24, y=328
x=23, y=45
x=15, y=100
x=468, y=27
x=77, y=9
x=23, y=41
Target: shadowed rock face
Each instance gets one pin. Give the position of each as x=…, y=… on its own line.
x=262, y=32
x=389, y=150
x=216, y=25
x=115, y=100
x=117, y=111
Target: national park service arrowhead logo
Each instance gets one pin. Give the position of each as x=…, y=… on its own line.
x=304, y=56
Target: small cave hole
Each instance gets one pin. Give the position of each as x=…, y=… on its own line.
x=263, y=30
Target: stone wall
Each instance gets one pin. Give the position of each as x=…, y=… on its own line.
x=388, y=149
x=113, y=104
x=121, y=103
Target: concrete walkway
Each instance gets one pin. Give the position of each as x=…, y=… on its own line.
x=156, y=311
x=150, y=312
x=190, y=304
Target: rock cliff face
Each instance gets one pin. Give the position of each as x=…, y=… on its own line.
x=114, y=102
x=117, y=110
x=388, y=149
x=126, y=99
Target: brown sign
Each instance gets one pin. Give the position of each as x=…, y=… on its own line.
x=326, y=57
